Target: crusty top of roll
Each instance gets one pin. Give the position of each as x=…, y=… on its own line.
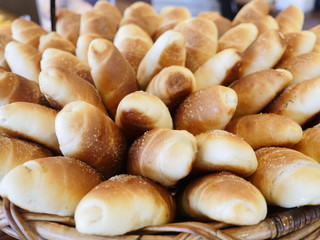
x=223, y=24
x=68, y=24
x=290, y=19
x=55, y=40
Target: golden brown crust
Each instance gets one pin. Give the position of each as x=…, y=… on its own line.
x=290, y=19
x=83, y=43
x=68, y=24
x=4, y=40
x=55, y=40
x=223, y=24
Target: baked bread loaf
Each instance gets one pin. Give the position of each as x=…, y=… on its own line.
x=53, y=185
x=316, y=31
x=222, y=23
x=61, y=86
x=287, y=178
x=266, y=23
x=83, y=43
x=224, y=197
x=256, y=90
x=265, y=130
x=30, y=121
x=219, y=150
x=201, y=36
x=122, y=204
x=4, y=40
x=290, y=19
x=55, y=40
x=172, y=85
x=86, y=133
x=113, y=76
x=163, y=155
x=168, y=50
x=68, y=24
x=206, y=109
x=14, y=151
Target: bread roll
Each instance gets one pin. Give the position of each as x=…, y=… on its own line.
x=112, y=74
x=247, y=32
x=143, y=15
x=219, y=150
x=27, y=31
x=139, y=112
x=287, y=178
x=172, y=85
x=53, y=57
x=316, y=31
x=83, y=43
x=168, y=50
x=61, y=86
x=265, y=130
x=221, y=69
x=53, y=185
x=302, y=67
x=222, y=23
x=290, y=19
x=30, y=121
x=4, y=40
x=266, y=23
x=23, y=60
x=263, y=53
x=298, y=101
x=201, y=37
x=55, y=40
x=206, y=109
x=256, y=90
x=133, y=43
x=122, y=204
x=224, y=197
x=86, y=133
x=68, y=24
x=163, y=155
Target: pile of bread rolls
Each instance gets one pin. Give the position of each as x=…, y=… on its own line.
x=124, y=120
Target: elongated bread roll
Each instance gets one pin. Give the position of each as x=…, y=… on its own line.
x=27, y=64
x=14, y=151
x=298, y=101
x=4, y=40
x=112, y=74
x=68, y=24
x=256, y=90
x=221, y=69
x=86, y=133
x=122, y=204
x=316, y=31
x=14, y=88
x=55, y=40
x=266, y=23
x=52, y=185
x=61, y=86
x=224, y=197
x=133, y=43
x=30, y=121
x=219, y=150
x=168, y=50
x=172, y=85
x=173, y=150
x=287, y=178
x=201, y=37
x=222, y=23
x=206, y=109
x=290, y=19
x=53, y=57
x=83, y=44
x=265, y=130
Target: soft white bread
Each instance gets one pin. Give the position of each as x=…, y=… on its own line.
x=27, y=31
x=53, y=57
x=139, y=112
x=222, y=23
x=224, y=197
x=206, y=109
x=113, y=76
x=290, y=19
x=222, y=68
x=122, y=204
x=27, y=64
x=287, y=178
x=68, y=24
x=172, y=85
x=201, y=37
x=14, y=151
x=256, y=90
x=263, y=53
x=310, y=142
x=316, y=31
x=14, y=88
x=53, y=185
x=83, y=43
x=61, y=86
x=4, y=40
x=30, y=121
x=163, y=155
x=143, y=15
x=133, y=43
x=55, y=40
x=86, y=133
x=219, y=150
x=298, y=101
x=265, y=130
